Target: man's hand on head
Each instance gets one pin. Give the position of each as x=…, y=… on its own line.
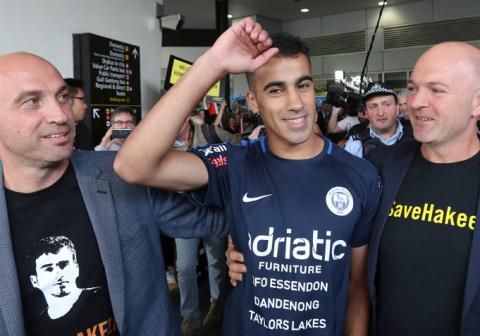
x=244, y=47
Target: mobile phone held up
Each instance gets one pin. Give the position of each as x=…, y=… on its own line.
x=121, y=133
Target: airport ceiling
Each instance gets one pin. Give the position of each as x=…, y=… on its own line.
x=200, y=14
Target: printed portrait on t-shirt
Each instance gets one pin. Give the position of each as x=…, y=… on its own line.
x=54, y=271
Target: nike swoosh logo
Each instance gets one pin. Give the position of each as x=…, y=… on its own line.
x=247, y=199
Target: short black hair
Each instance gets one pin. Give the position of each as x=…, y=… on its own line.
x=288, y=46
x=46, y=245
x=121, y=110
x=73, y=85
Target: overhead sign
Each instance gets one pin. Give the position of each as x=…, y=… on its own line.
x=177, y=67
x=110, y=71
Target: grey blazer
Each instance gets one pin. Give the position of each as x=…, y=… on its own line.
x=127, y=221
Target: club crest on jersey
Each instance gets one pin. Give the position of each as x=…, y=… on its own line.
x=340, y=201
x=213, y=149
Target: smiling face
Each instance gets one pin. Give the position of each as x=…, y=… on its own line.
x=37, y=128
x=444, y=96
x=283, y=93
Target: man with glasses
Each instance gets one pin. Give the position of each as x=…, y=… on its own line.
x=385, y=129
x=123, y=118
x=83, y=136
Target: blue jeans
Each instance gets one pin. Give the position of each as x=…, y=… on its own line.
x=187, y=260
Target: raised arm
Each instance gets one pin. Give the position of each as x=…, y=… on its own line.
x=146, y=156
x=333, y=121
x=218, y=118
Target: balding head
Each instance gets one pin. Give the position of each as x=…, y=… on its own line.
x=18, y=66
x=444, y=99
x=457, y=58
x=36, y=121
x=18, y=56
x=20, y=60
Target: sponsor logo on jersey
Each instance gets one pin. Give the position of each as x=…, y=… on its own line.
x=287, y=246
x=247, y=199
x=213, y=149
x=218, y=161
x=340, y=201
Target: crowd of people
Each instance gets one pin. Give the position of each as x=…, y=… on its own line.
x=378, y=238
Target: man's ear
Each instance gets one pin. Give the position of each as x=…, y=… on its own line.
x=252, y=101
x=34, y=281
x=476, y=104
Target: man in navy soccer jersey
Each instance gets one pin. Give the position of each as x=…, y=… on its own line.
x=300, y=208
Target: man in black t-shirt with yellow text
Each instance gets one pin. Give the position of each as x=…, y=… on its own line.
x=424, y=258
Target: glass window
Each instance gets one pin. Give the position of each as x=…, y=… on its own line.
x=398, y=80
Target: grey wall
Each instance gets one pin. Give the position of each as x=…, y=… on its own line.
x=45, y=28
x=380, y=60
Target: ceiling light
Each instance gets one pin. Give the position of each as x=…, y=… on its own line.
x=381, y=3
x=304, y=10
x=229, y=16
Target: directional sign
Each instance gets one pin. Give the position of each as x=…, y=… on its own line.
x=110, y=70
x=135, y=53
x=95, y=113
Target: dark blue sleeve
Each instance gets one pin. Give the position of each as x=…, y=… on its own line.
x=215, y=158
x=177, y=217
x=361, y=234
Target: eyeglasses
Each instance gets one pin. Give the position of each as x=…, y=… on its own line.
x=127, y=123
x=79, y=98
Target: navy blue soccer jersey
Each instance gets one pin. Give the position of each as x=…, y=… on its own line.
x=295, y=221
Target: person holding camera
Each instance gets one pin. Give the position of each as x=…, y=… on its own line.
x=335, y=126
x=123, y=122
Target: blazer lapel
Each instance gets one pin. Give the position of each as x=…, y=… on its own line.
x=10, y=297
x=98, y=200
x=392, y=174
x=472, y=283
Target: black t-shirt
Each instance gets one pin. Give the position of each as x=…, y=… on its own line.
x=425, y=248
x=62, y=278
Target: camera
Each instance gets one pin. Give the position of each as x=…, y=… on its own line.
x=121, y=133
x=340, y=95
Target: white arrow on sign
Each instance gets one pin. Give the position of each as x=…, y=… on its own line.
x=96, y=115
x=135, y=53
